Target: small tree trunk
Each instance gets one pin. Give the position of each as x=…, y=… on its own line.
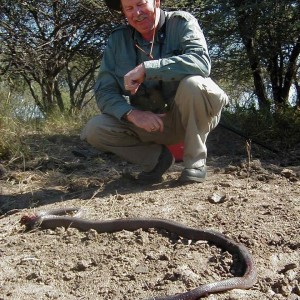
x=59, y=98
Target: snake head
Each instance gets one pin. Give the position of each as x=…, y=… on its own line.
x=29, y=221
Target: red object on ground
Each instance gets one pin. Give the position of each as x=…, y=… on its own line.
x=177, y=151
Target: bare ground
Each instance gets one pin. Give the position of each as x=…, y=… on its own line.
x=259, y=207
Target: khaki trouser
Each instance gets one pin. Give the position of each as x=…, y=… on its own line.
x=195, y=112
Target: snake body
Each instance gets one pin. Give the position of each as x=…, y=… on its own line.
x=59, y=218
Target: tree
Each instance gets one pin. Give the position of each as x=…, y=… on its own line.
x=270, y=34
x=41, y=41
x=57, y=44
x=250, y=38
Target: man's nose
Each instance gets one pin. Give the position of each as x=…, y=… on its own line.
x=138, y=10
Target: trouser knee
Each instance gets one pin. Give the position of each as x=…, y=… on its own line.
x=92, y=132
x=202, y=91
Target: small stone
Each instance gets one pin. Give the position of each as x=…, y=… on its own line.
x=142, y=269
x=68, y=276
x=287, y=173
x=82, y=265
x=92, y=234
x=185, y=274
x=217, y=198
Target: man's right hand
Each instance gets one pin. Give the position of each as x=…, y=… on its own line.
x=146, y=120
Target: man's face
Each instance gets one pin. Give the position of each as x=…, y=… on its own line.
x=140, y=14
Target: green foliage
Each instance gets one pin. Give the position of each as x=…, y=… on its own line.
x=279, y=130
x=254, y=45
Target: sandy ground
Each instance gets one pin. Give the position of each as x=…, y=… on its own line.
x=259, y=207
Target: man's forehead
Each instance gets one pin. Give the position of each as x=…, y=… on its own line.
x=133, y=2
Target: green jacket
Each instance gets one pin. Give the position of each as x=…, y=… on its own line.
x=179, y=50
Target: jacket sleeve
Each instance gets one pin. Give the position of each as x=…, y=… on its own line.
x=186, y=52
x=109, y=87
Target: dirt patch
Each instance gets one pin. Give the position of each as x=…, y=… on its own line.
x=259, y=207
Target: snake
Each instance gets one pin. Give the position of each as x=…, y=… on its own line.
x=71, y=217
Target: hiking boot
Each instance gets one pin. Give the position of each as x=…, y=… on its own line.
x=193, y=175
x=165, y=161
